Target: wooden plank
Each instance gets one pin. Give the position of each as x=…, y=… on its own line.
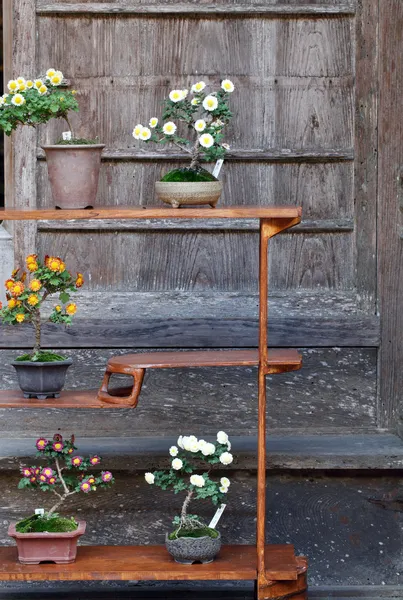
x=143, y=212
x=343, y=7
x=366, y=161
x=390, y=248
x=148, y=563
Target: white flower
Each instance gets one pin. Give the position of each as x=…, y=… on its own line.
x=206, y=140
x=180, y=442
x=42, y=90
x=38, y=83
x=153, y=122
x=226, y=458
x=13, y=85
x=202, y=443
x=176, y=95
x=200, y=125
x=225, y=482
x=227, y=85
x=208, y=449
x=18, y=100
x=169, y=128
x=1, y=100
x=50, y=73
x=226, y=146
x=190, y=443
x=223, y=489
x=210, y=103
x=57, y=78
x=195, y=101
x=137, y=131
x=177, y=464
x=5, y=97
x=228, y=446
x=30, y=84
x=198, y=87
x=145, y=134
x=149, y=477
x=222, y=437
x=184, y=94
x=197, y=480
x=173, y=451
x=21, y=80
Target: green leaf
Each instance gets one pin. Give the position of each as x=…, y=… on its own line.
x=64, y=297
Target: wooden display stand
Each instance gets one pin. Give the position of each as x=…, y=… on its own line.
x=278, y=573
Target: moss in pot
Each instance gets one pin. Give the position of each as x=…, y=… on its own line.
x=41, y=373
x=194, y=122
x=192, y=540
x=47, y=536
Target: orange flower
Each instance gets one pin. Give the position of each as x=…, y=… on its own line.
x=31, y=258
x=33, y=299
x=9, y=284
x=32, y=266
x=62, y=266
x=14, y=273
x=35, y=285
x=19, y=302
x=1, y=305
x=58, y=308
x=12, y=303
x=71, y=308
x=18, y=288
x=79, y=280
x=54, y=264
x=20, y=317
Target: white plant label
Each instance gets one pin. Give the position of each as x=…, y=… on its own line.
x=40, y=511
x=217, y=167
x=217, y=516
x=66, y=135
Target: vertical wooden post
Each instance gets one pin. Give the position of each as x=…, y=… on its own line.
x=263, y=356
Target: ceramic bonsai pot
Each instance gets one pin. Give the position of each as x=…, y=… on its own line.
x=188, y=550
x=74, y=174
x=178, y=193
x=34, y=548
x=41, y=379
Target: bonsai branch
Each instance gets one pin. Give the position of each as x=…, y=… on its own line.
x=60, y=501
x=36, y=317
x=185, y=507
x=59, y=472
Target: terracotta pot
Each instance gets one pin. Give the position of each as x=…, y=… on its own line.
x=41, y=379
x=188, y=550
x=177, y=193
x=60, y=548
x=74, y=174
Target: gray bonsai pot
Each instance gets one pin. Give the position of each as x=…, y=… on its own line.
x=41, y=379
x=187, y=550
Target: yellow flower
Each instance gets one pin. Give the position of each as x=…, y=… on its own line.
x=79, y=280
x=9, y=284
x=42, y=90
x=50, y=73
x=32, y=266
x=35, y=285
x=58, y=308
x=56, y=79
x=22, y=87
x=17, y=289
x=19, y=302
x=33, y=299
x=74, y=92
x=12, y=303
x=20, y=317
x=62, y=267
x=18, y=100
x=38, y=83
x=71, y=308
x=31, y=258
x=12, y=85
x=54, y=264
x=30, y=84
x=61, y=99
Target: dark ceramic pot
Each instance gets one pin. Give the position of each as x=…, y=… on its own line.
x=74, y=174
x=41, y=379
x=187, y=550
x=34, y=548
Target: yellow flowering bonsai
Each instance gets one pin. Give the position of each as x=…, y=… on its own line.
x=34, y=101
x=201, y=115
x=26, y=295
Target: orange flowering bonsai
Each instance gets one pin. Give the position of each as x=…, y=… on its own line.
x=28, y=290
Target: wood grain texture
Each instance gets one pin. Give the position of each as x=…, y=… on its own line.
x=334, y=391
x=335, y=7
x=150, y=563
x=390, y=257
x=366, y=162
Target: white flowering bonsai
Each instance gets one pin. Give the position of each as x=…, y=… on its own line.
x=194, y=122
x=188, y=457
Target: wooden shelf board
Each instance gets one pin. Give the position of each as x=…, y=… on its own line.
x=148, y=563
x=152, y=212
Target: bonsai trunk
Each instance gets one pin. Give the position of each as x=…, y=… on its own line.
x=185, y=507
x=67, y=492
x=37, y=324
x=195, y=162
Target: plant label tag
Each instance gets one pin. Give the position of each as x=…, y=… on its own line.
x=40, y=511
x=217, y=167
x=66, y=135
x=217, y=516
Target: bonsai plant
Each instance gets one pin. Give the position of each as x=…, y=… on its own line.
x=73, y=163
x=40, y=373
x=46, y=536
x=200, y=116
x=192, y=540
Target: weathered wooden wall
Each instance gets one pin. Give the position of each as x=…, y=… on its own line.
x=304, y=132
